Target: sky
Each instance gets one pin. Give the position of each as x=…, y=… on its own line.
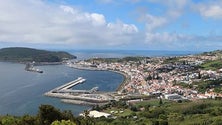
x=194, y=25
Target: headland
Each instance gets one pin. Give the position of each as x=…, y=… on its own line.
x=23, y=55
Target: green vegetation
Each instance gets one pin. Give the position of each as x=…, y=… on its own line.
x=113, y=60
x=152, y=102
x=212, y=65
x=150, y=112
x=19, y=54
x=135, y=59
x=63, y=122
x=212, y=53
x=171, y=60
x=185, y=85
x=203, y=85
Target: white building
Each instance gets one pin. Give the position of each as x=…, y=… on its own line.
x=97, y=114
x=173, y=96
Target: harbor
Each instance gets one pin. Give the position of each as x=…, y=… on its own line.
x=83, y=66
x=86, y=97
x=28, y=92
x=69, y=85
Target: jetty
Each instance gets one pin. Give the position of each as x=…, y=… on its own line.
x=69, y=85
x=69, y=95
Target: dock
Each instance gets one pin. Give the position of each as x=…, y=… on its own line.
x=79, y=96
x=69, y=85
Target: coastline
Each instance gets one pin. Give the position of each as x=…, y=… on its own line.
x=121, y=85
x=125, y=80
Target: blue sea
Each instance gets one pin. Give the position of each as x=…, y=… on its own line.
x=85, y=54
x=21, y=92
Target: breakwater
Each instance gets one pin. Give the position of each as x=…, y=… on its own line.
x=69, y=84
x=85, y=97
x=121, y=85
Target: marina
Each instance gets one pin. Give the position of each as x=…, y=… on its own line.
x=86, y=97
x=69, y=85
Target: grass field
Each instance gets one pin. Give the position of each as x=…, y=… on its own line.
x=212, y=65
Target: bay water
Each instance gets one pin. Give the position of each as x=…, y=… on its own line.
x=21, y=92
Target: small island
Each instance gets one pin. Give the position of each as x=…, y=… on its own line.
x=21, y=54
x=32, y=57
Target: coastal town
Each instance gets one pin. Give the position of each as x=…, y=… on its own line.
x=189, y=77
x=111, y=62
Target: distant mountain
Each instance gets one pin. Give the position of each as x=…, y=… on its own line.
x=20, y=54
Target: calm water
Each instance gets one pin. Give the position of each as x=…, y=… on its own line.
x=22, y=91
x=85, y=54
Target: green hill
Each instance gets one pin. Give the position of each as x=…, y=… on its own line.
x=20, y=54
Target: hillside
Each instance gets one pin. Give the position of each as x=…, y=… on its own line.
x=19, y=54
x=151, y=112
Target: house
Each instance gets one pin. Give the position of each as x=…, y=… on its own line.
x=97, y=114
x=174, y=97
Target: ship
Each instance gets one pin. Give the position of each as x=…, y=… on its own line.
x=30, y=67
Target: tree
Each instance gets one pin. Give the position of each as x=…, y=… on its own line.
x=147, y=107
x=67, y=115
x=63, y=122
x=161, y=101
x=134, y=108
x=8, y=120
x=28, y=120
x=86, y=113
x=47, y=114
x=96, y=107
x=217, y=121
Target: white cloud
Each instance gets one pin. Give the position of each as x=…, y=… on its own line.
x=39, y=22
x=153, y=22
x=122, y=28
x=169, y=39
x=80, y=17
x=172, y=3
x=98, y=19
x=68, y=9
x=156, y=36
x=161, y=37
x=183, y=42
x=213, y=10
x=31, y=21
x=105, y=1
x=175, y=8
